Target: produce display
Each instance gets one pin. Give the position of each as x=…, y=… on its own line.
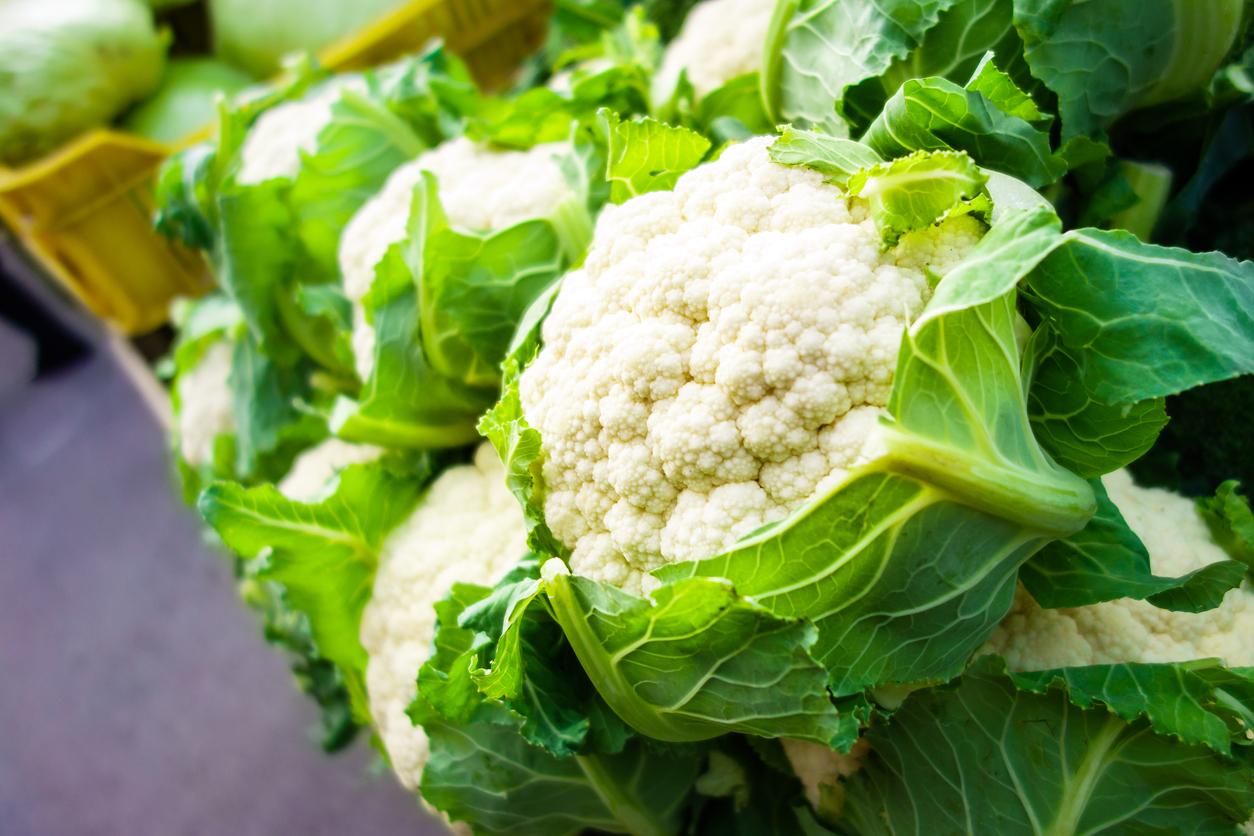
x=812, y=416
x=73, y=65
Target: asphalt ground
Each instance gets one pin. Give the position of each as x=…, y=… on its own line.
x=136, y=695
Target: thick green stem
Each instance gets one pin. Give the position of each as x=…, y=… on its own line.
x=1054, y=502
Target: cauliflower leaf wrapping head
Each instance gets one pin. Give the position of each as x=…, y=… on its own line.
x=480, y=189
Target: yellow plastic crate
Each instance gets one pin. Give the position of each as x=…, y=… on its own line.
x=85, y=212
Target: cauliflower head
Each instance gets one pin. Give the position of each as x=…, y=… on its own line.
x=275, y=142
x=468, y=529
x=720, y=40
x=481, y=189
x=314, y=470
x=1128, y=630
x=206, y=404
x=722, y=355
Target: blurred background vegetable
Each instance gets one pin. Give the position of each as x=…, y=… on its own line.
x=69, y=66
x=256, y=34
x=185, y=99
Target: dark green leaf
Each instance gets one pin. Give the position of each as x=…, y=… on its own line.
x=1107, y=561
x=1231, y=522
x=406, y=403
x=1083, y=434
x=485, y=774
x=991, y=755
x=818, y=49
x=270, y=426
x=1146, y=321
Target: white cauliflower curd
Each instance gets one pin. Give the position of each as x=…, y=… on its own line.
x=481, y=189
x=314, y=470
x=1128, y=630
x=206, y=405
x=277, y=139
x=723, y=353
x=720, y=40
x=468, y=529
x=820, y=770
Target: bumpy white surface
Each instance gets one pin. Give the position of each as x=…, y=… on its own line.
x=481, y=188
x=818, y=766
x=720, y=40
x=314, y=470
x=1127, y=630
x=722, y=354
x=276, y=140
x=468, y=528
x=205, y=404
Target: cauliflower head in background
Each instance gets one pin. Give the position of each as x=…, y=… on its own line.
x=722, y=355
x=275, y=142
x=206, y=404
x=467, y=529
x=1127, y=630
x=313, y=471
x=481, y=189
x=720, y=40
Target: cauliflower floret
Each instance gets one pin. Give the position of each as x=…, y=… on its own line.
x=820, y=769
x=1128, y=630
x=206, y=405
x=720, y=40
x=480, y=189
x=315, y=469
x=722, y=356
x=468, y=529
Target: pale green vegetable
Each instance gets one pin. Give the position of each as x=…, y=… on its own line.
x=69, y=66
x=185, y=100
x=256, y=34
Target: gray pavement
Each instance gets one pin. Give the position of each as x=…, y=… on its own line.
x=136, y=697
